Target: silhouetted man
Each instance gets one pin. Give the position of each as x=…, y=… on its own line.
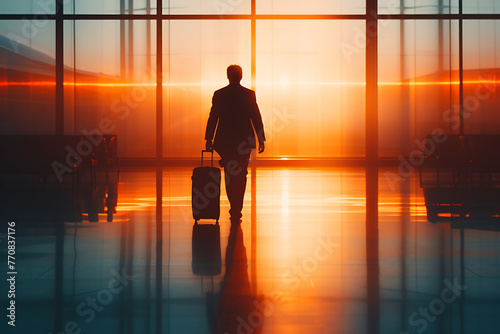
x=235, y=115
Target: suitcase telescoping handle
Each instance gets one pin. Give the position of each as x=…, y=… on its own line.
x=211, y=160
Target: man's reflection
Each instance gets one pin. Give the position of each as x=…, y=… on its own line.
x=239, y=310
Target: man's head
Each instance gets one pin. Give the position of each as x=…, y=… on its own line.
x=234, y=73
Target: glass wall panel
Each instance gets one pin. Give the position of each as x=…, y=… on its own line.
x=418, y=6
x=110, y=82
x=310, y=84
x=418, y=82
x=311, y=7
x=196, y=55
x=110, y=7
x=311, y=87
x=481, y=70
x=28, y=7
x=219, y=7
x=481, y=6
x=27, y=77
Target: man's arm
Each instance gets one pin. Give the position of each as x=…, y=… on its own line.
x=211, y=124
x=257, y=123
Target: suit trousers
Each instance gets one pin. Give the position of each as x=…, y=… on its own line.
x=235, y=175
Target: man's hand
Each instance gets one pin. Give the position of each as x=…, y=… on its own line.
x=209, y=146
x=261, y=146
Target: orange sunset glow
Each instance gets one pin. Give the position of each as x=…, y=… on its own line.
x=250, y=166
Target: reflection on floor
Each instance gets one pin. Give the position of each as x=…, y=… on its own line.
x=315, y=253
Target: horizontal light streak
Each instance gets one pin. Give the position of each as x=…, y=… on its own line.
x=142, y=203
x=310, y=83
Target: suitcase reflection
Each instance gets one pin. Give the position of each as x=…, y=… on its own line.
x=206, y=250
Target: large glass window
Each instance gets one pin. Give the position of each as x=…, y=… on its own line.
x=110, y=7
x=418, y=6
x=309, y=72
x=110, y=82
x=418, y=82
x=481, y=70
x=481, y=6
x=311, y=7
x=28, y=7
x=196, y=55
x=27, y=77
x=215, y=7
x=311, y=88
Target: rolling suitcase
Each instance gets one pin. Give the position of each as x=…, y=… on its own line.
x=205, y=199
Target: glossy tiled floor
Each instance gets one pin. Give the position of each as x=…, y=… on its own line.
x=313, y=255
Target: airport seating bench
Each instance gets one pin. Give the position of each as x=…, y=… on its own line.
x=460, y=176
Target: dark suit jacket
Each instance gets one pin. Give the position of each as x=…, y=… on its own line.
x=235, y=115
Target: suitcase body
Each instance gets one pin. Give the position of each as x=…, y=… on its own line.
x=206, y=250
x=205, y=197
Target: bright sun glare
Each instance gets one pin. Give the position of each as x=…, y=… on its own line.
x=284, y=81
